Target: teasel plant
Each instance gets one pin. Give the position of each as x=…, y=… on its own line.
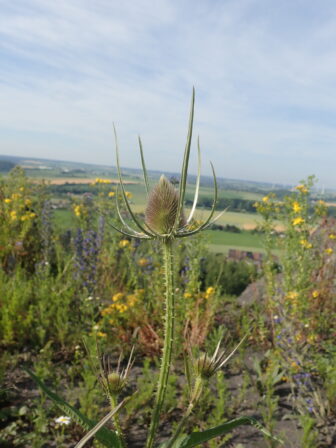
x=165, y=221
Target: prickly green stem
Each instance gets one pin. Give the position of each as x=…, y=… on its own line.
x=168, y=339
x=116, y=421
x=195, y=395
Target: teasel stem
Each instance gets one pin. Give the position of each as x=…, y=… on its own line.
x=168, y=339
x=116, y=421
x=195, y=396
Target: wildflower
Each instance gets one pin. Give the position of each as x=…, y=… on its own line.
x=101, y=334
x=295, y=365
x=187, y=295
x=63, y=420
x=332, y=236
x=106, y=311
x=13, y=215
x=7, y=201
x=121, y=307
x=315, y=294
x=266, y=199
x=162, y=207
x=302, y=189
x=128, y=194
x=292, y=296
x=95, y=327
x=297, y=221
x=131, y=300
x=329, y=251
x=124, y=243
x=306, y=244
x=114, y=381
x=206, y=367
x=143, y=262
x=15, y=196
x=209, y=292
x=111, y=194
x=296, y=207
x=117, y=296
x=28, y=202
x=77, y=210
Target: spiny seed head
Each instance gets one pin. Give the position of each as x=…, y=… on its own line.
x=204, y=366
x=115, y=382
x=162, y=208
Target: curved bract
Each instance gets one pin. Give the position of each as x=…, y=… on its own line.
x=165, y=217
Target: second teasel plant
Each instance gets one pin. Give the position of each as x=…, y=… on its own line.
x=165, y=221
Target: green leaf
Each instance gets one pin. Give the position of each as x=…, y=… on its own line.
x=107, y=437
x=99, y=425
x=196, y=438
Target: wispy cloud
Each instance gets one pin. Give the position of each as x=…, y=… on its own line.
x=264, y=74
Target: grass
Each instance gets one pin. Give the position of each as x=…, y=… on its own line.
x=220, y=241
x=64, y=219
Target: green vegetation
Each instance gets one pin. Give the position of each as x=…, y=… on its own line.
x=67, y=275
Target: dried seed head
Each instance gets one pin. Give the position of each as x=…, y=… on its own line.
x=204, y=366
x=162, y=208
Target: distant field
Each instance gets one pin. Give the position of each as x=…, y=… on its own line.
x=231, y=239
x=79, y=180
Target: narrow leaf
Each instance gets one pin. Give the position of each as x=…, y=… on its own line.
x=144, y=170
x=107, y=437
x=99, y=425
x=197, y=438
x=135, y=219
x=184, y=173
x=192, y=211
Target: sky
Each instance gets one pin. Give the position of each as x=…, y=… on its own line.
x=264, y=73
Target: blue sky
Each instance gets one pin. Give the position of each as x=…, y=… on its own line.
x=264, y=73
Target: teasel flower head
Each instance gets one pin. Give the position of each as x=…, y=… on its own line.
x=162, y=207
x=164, y=217
x=114, y=380
x=206, y=366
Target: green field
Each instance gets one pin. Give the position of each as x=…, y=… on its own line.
x=220, y=241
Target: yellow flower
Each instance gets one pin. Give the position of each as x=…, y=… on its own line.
x=100, y=334
x=102, y=181
x=332, y=236
x=111, y=194
x=129, y=194
x=28, y=202
x=7, y=201
x=117, y=297
x=121, y=307
x=306, y=244
x=329, y=251
x=297, y=221
x=187, y=295
x=16, y=196
x=209, y=292
x=295, y=365
x=131, y=300
x=293, y=296
x=107, y=311
x=296, y=207
x=21, y=188
x=13, y=215
x=124, y=243
x=302, y=189
x=266, y=199
x=315, y=293
x=143, y=262
x=77, y=210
